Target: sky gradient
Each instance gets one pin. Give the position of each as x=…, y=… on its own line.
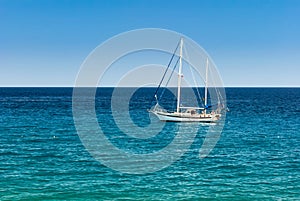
x=253, y=43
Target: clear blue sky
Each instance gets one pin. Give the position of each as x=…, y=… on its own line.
x=253, y=43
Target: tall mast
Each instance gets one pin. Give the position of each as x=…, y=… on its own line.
x=206, y=85
x=179, y=76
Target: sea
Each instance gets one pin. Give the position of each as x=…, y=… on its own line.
x=43, y=157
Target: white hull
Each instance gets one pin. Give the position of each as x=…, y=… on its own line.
x=184, y=117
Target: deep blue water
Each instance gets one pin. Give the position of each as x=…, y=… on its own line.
x=43, y=158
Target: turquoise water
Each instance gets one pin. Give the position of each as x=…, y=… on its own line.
x=256, y=158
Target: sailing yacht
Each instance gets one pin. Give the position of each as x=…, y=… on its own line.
x=187, y=114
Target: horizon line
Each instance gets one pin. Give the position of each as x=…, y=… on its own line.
x=68, y=86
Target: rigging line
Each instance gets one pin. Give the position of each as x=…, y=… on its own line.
x=162, y=93
x=204, y=54
x=219, y=95
x=166, y=70
x=193, y=75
